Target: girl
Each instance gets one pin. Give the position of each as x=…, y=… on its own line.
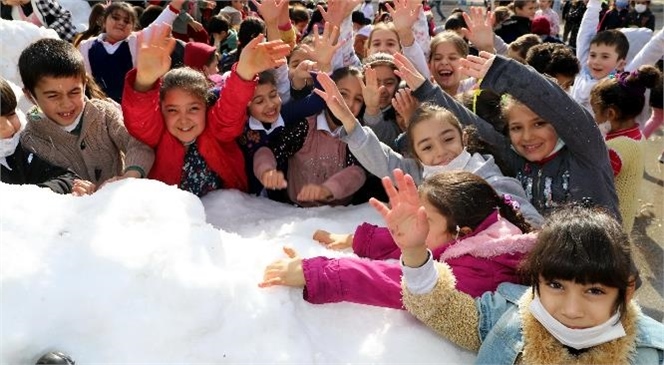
x=435, y=140
x=171, y=114
x=616, y=102
x=578, y=310
x=380, y=87
x=476, y=232
x=558, y=153
x=550, y=15
x=109, y=56
x=447, y=50
x=321, y=170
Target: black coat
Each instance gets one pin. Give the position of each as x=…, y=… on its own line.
x=28, y=168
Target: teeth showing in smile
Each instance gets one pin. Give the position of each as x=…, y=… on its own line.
x=186, y=129
x=67, y=115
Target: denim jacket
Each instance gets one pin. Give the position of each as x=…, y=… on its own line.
x=501, y=333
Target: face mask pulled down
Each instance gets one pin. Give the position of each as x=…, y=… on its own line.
x=458, y=163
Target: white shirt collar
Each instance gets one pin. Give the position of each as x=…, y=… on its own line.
x=256, y=125
x=322, y=125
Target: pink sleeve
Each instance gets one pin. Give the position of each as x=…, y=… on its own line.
x=346, y=182
x=375, y=243
x=264, y=160
x=352, y=280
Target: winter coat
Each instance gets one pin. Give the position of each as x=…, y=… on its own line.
x=500, y=327
x=103, y=149
x=24, y=167
x=581, y=169
x=224, y=123
x=480, y=261
x=513, y=28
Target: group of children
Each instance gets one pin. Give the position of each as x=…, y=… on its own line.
x=492, y=185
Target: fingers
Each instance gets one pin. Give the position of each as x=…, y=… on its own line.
x=322, y=236
x=380, y=207
x=290, y=252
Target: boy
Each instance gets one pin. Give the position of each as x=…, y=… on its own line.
x=20, y=166
x=600, y=54
x=87, y=136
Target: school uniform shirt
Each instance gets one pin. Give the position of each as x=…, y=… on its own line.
x=43, y=13
x=25, y=167
x=99, y=149
x=217, y=143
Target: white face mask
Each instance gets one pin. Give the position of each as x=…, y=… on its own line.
x=604, y=128
x=577, y=338
x=8, y=145
x=458, y=163
x=640, y=8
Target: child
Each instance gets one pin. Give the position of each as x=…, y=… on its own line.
x=42, y=13
x=555, y=60
x=641, y=16
x=600, y=54
x=518, y=49
x=447, y=49
x=579, y=307
x=435, y=140
x=20, y=166
x=473, y=230
x=204, y=58
x=558, y=153
x=87, y=136
x=519, y=23
x=616, y=103
x=170, y=114
x=321, y=170
x=112, y=54
x=380, y=87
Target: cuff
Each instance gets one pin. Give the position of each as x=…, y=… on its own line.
x=420, y=280
x=136, y=168
x=285, y=27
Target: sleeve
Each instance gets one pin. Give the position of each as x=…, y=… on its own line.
x=421, y=33
x=650, y=54
x=57, y=18
x=352, y=280
x=416, y=55
x=378, y=158
x=345, y=56
x=45, y=175
x=573, y=123
x=138, y=156
x=142, y=114
x=227, y=117
x=449, y=312
x=374, y=242
x=283, y=83
x=304, y=107
x=288, y=36
x=84, y=48
x=346, y=182
x=587, y=31
x=500, y=45
x=289, y=141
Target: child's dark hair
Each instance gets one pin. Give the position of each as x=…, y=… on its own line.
x=267, y=77
x=466, y=200
x=50, y=57
x=298, y=14
x=553, y=59
x=7, y=98
x=625, y=92
x=344, y=72
x=455, y=21
x=189, y=80
x=250, y=28
x=123, y=7
x=95, y=24
x=149, y=15
x=520, y=4
x=218, y=24
x=613, y=37
x=584, y=245
x=486, y=104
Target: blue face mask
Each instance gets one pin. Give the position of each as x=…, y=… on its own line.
x=622, y=4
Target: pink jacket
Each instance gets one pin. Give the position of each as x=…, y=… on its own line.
x=480, y=262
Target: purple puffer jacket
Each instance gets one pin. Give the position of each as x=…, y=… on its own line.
x=480, y=262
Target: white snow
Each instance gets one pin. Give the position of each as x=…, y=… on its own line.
x=137, y=274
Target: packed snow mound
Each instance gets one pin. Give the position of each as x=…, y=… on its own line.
x=141, y=272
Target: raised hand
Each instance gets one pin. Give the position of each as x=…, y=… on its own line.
x=274, y=180
x=335, y=101
x=338, y=10
x=314, y=193
x=480, y=28
x=404, y=13
x=324, y=46
x=407, y=72
x=405, y=104
x=257, y=57
x=154, y=55
x=287, y=271
x=405, y=217
x=270, y=10
x=371, y=91
x=477, y=66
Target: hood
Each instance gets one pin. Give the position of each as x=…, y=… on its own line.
x=197, y=55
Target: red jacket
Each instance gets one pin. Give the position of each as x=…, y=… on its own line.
x=225, y=122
